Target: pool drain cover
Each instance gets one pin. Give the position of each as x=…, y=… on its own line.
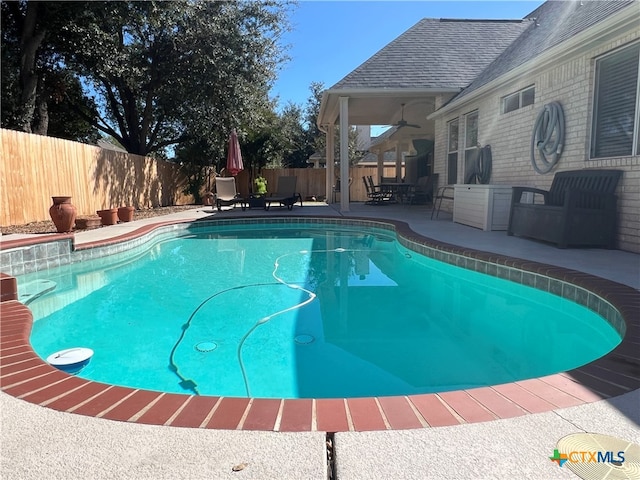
x=205, y=347
x=304, y=339
x=608, y=448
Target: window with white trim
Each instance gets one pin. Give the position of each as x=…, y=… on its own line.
x=519, y=99
x=616, y=104
x=470, y=142
x=452, y=151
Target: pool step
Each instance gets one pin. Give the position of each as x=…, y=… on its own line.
x=30, y=291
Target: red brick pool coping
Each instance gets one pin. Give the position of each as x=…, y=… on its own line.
x=24, y=375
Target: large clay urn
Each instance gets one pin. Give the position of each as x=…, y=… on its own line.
x=63, y=214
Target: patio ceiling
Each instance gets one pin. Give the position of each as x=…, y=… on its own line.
x=379, y=106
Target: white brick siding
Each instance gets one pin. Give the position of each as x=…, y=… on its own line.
x=571, y=84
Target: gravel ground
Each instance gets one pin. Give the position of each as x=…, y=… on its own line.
x=48, y=227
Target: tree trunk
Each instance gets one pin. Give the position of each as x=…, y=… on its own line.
x=30, y=41
x=41, y=123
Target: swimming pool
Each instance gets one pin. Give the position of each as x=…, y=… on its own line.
x=361, y=315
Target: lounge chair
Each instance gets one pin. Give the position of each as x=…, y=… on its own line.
x=286, y=194
x=226, y=193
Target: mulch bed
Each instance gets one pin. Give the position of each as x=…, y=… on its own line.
x=48, y=227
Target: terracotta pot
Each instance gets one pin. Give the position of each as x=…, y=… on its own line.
x=63, y=214
x=84, y=223
x=208, y=199
x=108, y=216
x=125, y=214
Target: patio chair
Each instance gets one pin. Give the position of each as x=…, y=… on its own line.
x=285, y=195
x=386, y=193
x=375, y=197
x=226, y=193
x=445, y=192
x=422, y=192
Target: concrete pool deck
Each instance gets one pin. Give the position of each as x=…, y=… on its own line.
x=39, y=442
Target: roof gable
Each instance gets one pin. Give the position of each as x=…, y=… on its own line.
x=435, y=53
x=551, y=24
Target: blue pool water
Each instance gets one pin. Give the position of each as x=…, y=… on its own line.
x=307, y=312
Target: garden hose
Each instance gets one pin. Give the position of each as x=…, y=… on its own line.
x=481, y=169
x=548, y=137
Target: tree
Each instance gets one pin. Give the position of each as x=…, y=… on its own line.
x=294, y=138
x=318, y=138
x=34, y=83
x=196, y=159
x=260, y=143
x=166, y=73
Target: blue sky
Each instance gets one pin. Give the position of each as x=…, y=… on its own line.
x=331, y=38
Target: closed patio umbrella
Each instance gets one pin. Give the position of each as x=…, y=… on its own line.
x=234, y=156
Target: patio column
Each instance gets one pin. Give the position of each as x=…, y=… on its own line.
x=344, y=154
x=331, y=162
x=398, y=162
x=380, y=167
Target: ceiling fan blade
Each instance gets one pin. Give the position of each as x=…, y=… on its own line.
x=403, y=123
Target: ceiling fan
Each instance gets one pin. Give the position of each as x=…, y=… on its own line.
x=403, y=123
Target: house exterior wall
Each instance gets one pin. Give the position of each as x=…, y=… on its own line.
x=571, y=83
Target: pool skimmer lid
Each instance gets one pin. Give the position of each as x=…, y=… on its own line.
x=71, y=360
x=205, y=347
x=595, y=442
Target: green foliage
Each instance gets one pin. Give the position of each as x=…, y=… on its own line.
x=297, y=146
x=168, y=72
x=159, y=78
x=35, y=87
x=259, y=141
x=196, y=159
x=317, y=138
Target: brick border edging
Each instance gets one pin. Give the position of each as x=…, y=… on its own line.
x=25, y=375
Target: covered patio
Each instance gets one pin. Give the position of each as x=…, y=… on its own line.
x=407, y=81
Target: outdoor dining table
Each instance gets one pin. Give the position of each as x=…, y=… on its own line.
x=400, y=190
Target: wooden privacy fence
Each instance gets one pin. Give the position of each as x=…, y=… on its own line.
x=34, y=168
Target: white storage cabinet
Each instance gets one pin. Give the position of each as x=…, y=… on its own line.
x=482, y=206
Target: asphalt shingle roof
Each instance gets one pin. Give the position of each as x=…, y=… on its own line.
x=436, y=53
x=551, y=24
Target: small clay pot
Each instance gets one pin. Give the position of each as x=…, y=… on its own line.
x=208, y=199
x=84, y=223
x=108, y=216
x=125, y=214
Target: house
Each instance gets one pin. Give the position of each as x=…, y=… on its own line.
x=467, y=83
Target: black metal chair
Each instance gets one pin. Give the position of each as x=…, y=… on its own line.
x=375, y=197
x=422, y=192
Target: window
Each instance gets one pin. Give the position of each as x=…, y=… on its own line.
x=519, y=99
x=470, y=142
x=616, y=108
x=452, y=152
